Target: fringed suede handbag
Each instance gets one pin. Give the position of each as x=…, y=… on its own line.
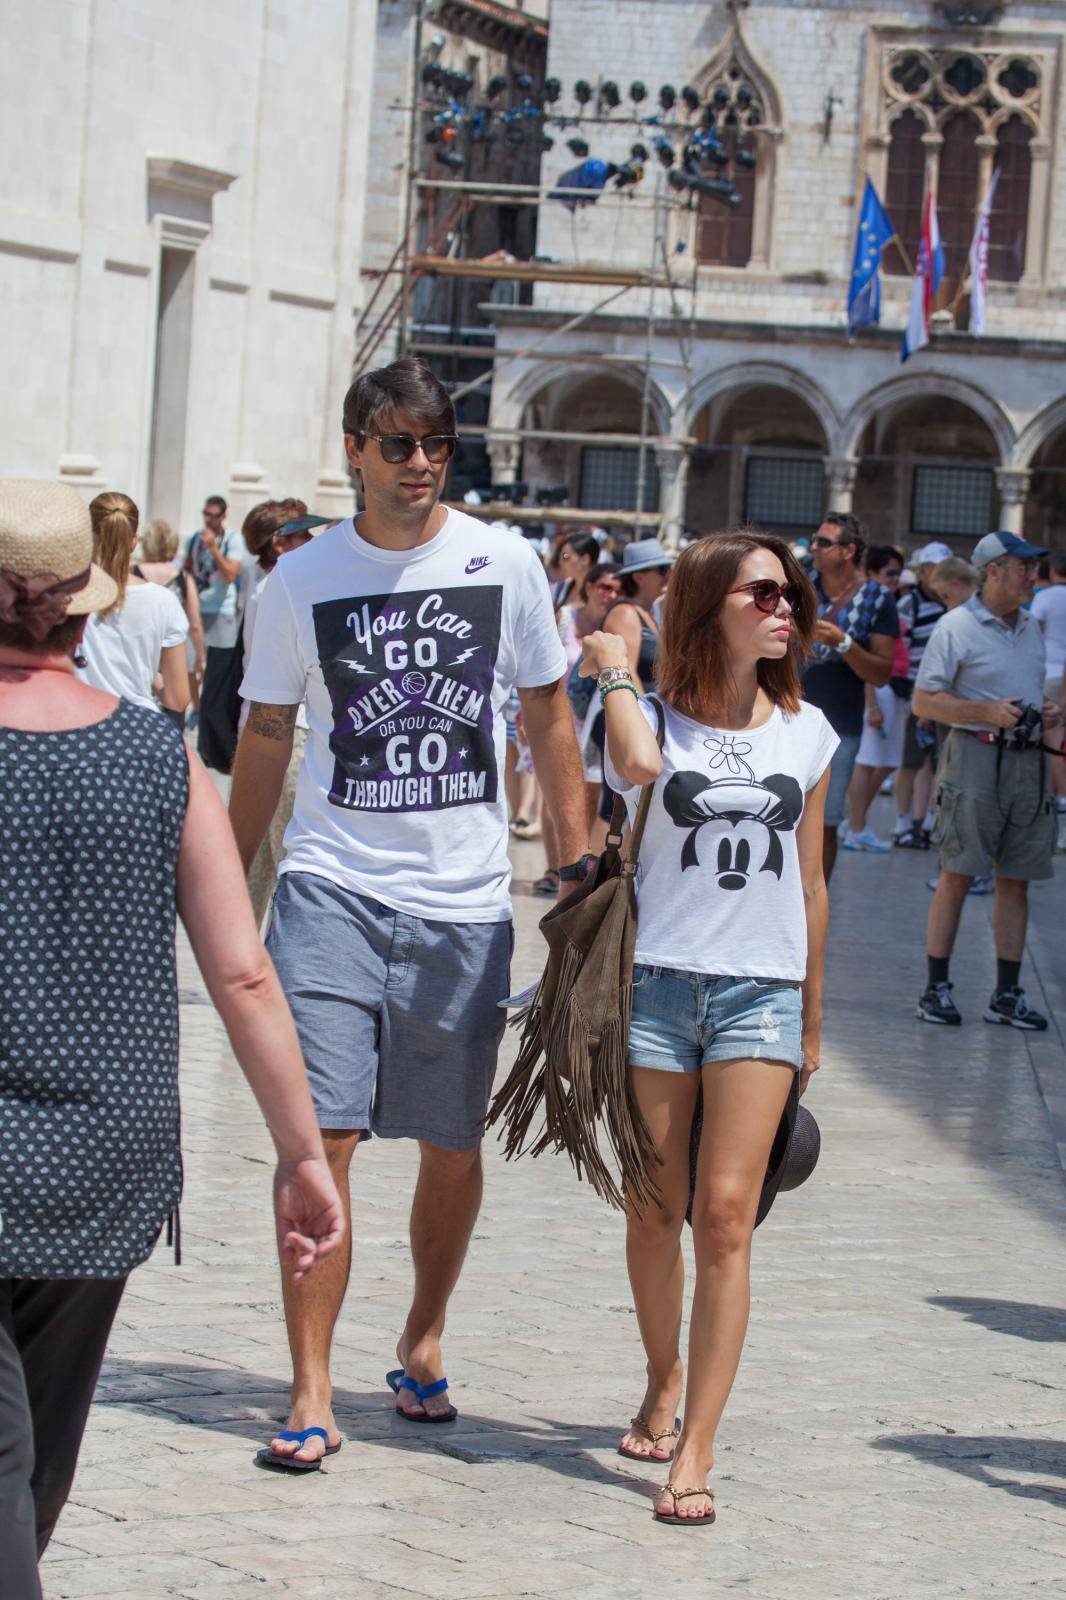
x=575, y=1036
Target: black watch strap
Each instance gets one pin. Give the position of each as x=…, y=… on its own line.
x=577, y=871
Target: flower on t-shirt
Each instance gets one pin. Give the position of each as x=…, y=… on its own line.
x=729, y=752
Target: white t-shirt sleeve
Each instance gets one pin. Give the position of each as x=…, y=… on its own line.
x=538, y=649
x=277, y=671
x=610, y=771
x=824, y=748
x=175, y=622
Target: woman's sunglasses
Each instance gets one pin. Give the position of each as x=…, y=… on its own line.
x=768, y=595
x=399, y=447
x=608, y=589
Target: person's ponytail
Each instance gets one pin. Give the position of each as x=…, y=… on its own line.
x=115, y=519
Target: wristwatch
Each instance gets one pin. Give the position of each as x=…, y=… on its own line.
x=845, y=645
x=577, y=871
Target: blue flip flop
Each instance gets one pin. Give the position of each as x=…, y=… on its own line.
x=422, y=1392
x=267, y=1458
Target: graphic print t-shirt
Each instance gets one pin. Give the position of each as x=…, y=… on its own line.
x=718, y=880
x=405, y=658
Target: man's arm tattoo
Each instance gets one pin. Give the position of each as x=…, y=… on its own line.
x=271, y=722
x=543, y=691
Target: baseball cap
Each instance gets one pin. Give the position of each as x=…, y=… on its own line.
x=930, y=553
x=302, y=525
x=994, y=546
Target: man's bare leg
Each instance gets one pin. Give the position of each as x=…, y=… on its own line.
x=312, y=1307
x=446, y=1204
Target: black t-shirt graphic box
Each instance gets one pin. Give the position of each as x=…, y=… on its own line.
x=410, y=679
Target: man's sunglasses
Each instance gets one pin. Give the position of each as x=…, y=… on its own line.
x=768, y=595
x=400, y=447
x=821, y=542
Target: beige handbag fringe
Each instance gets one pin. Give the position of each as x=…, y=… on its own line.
x=573, y=1056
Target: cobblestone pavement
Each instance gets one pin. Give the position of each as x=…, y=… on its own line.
x=898, y=1427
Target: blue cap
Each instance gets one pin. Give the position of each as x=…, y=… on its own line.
x=303, y=525
x=995, y=546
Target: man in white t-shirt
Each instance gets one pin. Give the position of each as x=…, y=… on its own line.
x=404, y=631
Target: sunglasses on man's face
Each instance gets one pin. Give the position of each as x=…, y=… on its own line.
x=399, y=447
x=822, y=542
x=767, y=595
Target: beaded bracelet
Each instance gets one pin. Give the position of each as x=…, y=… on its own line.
x=605, y=691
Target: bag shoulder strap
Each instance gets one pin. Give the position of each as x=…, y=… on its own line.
x=618, y=814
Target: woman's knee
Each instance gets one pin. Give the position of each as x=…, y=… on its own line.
x=723, y=1218
x=661, y=1221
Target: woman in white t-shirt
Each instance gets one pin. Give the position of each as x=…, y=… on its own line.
x=727, y=986
x=141, y=637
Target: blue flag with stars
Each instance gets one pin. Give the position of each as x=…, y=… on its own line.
x=874, y=232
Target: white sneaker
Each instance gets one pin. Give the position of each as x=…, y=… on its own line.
x=1060, y=843
x=866, y=840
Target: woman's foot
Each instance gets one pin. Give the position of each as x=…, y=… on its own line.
x=657, y=1416
x=423, y=1363
x=689, y=1469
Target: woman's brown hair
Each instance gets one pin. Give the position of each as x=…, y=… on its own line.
x=693, y=672
x=115, y=519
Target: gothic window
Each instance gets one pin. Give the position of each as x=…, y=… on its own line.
x=725, y=232
x=949, y=117
x=957, y=197
x=905, y=189
x=1010, y=209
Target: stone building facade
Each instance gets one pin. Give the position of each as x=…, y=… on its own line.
x=755, y=403
x=181, y=228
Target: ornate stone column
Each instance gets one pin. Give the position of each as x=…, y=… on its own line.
x=840, y=473
x=672, y=462
x=505, y=455
x=1013, y=486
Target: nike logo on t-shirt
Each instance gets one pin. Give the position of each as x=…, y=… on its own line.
x=477, y=563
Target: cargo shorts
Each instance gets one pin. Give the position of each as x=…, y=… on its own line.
x=995, y=811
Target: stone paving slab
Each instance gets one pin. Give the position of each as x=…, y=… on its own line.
x=897, y=1428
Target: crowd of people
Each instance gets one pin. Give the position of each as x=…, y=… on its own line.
x=385, y=681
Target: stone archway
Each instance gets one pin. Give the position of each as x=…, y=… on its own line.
x=760, y=454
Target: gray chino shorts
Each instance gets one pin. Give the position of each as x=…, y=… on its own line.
x=398, y=1018
x=993, y=816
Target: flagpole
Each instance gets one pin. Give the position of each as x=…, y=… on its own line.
x=901, y=247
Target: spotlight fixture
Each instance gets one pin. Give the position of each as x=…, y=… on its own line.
x=747, y=158
x=452, y=159
x=545, y=142
x=744, y=96
x=552, y=90
x=638, y=152
x=666, y=152
x=556, y=494
x=627, y=175
x=690, y=98
x=432, y=74
x=715, y=188
x=638, y=91
x=668, y=97
x=721, y=96
x=523, y=81
x=579, y=147
x=495, y=86
x=511, y=494
x=582, y=92
x=609, y=94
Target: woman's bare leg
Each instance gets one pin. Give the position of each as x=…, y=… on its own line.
x=653, y=1248
x=742, y=1106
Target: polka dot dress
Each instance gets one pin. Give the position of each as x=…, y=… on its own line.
x=90, y=1157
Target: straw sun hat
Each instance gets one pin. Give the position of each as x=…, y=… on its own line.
x=47, y=571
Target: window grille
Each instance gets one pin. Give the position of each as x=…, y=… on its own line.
x=784, y=492
x=609, y=478
x=954, y=500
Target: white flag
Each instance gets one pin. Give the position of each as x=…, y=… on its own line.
x=979, y=262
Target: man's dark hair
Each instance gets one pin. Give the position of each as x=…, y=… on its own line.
x=407, y=385
x=1057, y=561
x=852, y=530
x=216, y=500
x=879, y=556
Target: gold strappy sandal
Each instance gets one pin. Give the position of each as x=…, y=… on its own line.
x=702, y=1521
x=667, y=1433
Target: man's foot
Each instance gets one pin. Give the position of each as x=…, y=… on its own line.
x=913, y=839
x=657, y=1416
x=1010, y=1007
x=308, y=1414
x=423, y=1363
x=936, y=1005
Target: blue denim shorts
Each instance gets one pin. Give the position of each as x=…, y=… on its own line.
x=684, y=1020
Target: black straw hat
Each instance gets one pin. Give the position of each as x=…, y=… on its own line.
x=793, y=1155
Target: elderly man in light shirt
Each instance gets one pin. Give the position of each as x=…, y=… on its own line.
x=983, y=674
